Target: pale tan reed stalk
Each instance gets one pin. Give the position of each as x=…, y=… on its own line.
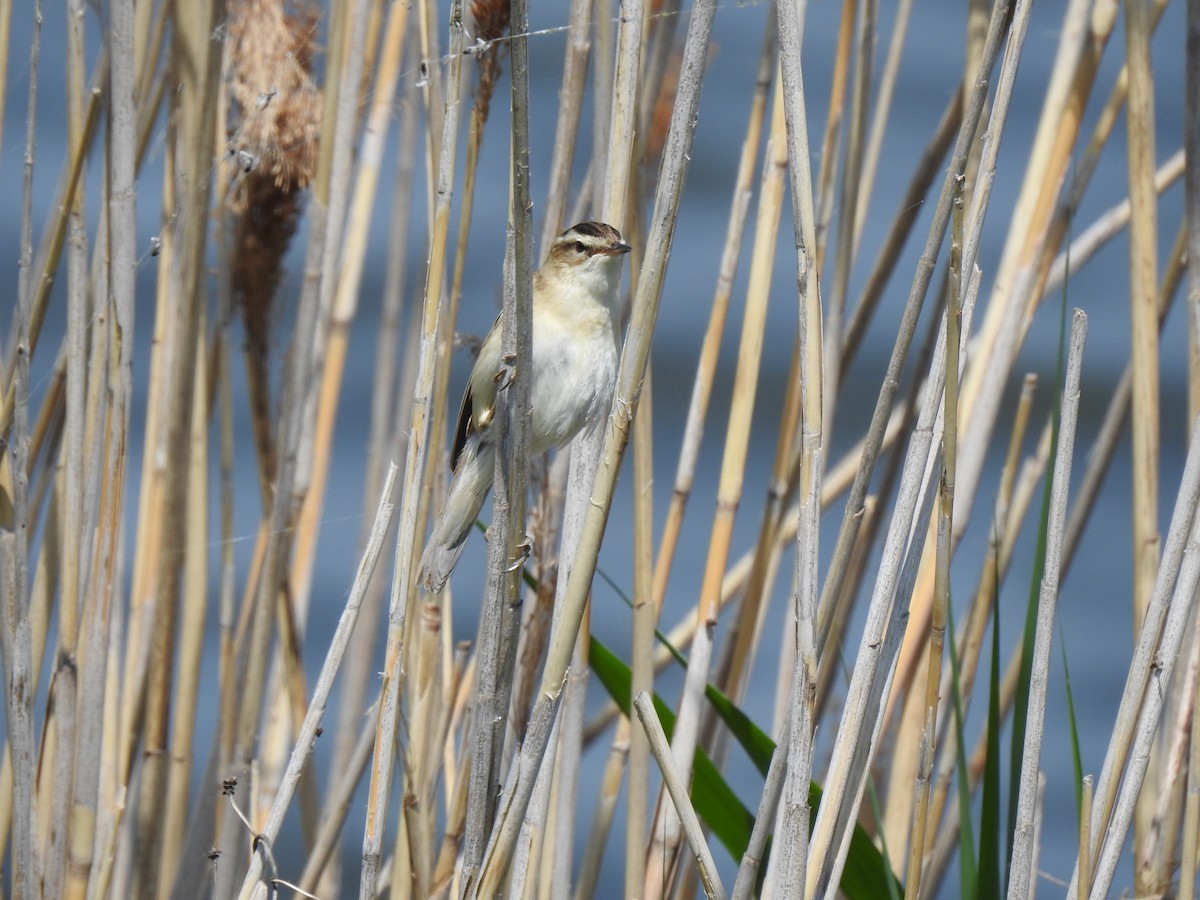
x=832, y=816
x=995, y=565
x=1191, y=818
x=882, y=110
x=733, y=468
x=830, y=155
x=945, y=526
x=984, y=162
x=833, y=306
x=391, y=407
x=1155, y=857
x=403, y=577
x=706, y=366
x=1191, y=143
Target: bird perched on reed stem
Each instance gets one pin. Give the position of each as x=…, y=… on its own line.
x=572, y=377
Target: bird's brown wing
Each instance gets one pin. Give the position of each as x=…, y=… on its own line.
x=463, y=430
x=479, y=399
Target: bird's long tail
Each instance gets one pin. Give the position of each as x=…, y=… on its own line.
x=468, y=489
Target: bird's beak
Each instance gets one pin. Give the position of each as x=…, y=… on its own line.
x=616, y=249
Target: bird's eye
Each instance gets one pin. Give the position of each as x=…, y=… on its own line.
x=579, y=248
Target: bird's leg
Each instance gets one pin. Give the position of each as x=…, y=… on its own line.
x=524, y=551
x=507, y=373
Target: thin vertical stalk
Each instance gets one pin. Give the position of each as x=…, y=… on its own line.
x=1191, y=190
x=1143, y=250
x=570, y=109
x=501, y=604
x=1021, y=865
x=834, y=308
x=796, y=814
x=58, y=767
x=414, y=468
x=706, y=365
x=941, y=596
x=386, y=396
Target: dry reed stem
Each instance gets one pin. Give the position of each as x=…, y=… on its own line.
x=941, y=591
x=879, y=119
x=1191, y=196
x=341, y=795
x=633, y=361
x=729, y=491
x=1143, y=252
x=1021, y=866
x=296, y=434
x=795, y=813
x=306, y=736
x=16, y=635
x=830, y=155
x=570, y=108
x=677, y=786
x=848, y=530
x=1191, y=816
x=414, y=469
x=833, y=816
x=36, y=273
x=833, y=309
x=345, y=298
x=5, y=30
x=507, y=547
x=1006, y=518
x=58, y=767
x=390, y=408
x=162, y=531
x=1109, y=847
x=980, y=197
x=1145, y=659
x=732, y=670
x=706, y=365
x=1085, y=827
x=1154, y=859
x=906, y=217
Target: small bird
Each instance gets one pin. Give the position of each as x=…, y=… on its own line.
x=572, y=378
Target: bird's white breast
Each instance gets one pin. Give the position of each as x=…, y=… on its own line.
x=574, y=377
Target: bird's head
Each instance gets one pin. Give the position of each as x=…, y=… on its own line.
x=589, y=252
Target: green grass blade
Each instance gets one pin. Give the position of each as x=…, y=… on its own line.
x=967, y=866
x=866, y=877
x=1076, y=756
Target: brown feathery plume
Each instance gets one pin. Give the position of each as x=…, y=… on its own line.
x=275, y=120
x=491, y=23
